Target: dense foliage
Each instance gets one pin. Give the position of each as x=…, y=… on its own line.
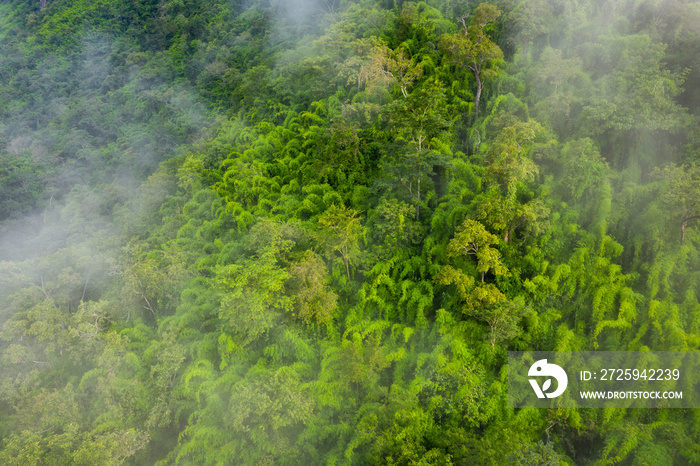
x=308, y=232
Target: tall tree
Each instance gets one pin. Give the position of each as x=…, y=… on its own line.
x=418, y=119
x=473, y=49
x=386, y=67
x=340, y=231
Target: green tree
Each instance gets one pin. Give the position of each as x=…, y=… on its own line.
x=503, y=318
x=681, y=194
x=507, y=156
x=340, y=231
x=418, y=120
x=471, y=48
x=313, y=300
x=386, y=67
x=394, y=227
x=472, y=239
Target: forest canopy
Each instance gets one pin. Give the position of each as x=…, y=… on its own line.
x=309, y=231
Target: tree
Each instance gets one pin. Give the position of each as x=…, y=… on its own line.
x=418, y=120
x=394, y=227
x=473, y=239
x=681, y=194
x=473, y=49
x=507, y=203
x=507, y=156
x=483, y=300
x=507, y=214
x=340, y=231
x=309, y=284
x=255, y=299
x=502, y=319
x=386, y=67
